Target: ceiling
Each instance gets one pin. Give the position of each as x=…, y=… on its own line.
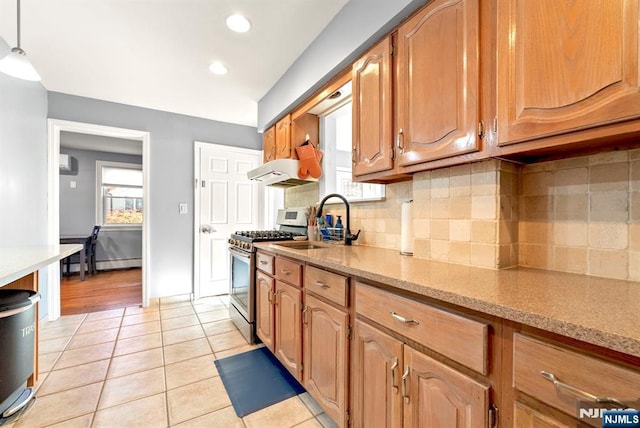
x=156, y=53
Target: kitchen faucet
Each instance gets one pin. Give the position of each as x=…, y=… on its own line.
x=348, y=237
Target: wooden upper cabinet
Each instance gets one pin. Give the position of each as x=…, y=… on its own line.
x=437, y=82
x=565, y=66
x=304, y=125
x=372, y=111
x=283, y=138
x=269, y=144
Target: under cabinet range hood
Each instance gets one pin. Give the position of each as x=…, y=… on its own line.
x=279, y=172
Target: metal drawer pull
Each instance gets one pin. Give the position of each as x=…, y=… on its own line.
x=322, y=285
x=286, y=272
x=405, y=394
x=403, y=319
x=264, y=262
x=578, y=393
x=394, y=367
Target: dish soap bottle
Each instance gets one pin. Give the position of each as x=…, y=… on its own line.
x=339, y=227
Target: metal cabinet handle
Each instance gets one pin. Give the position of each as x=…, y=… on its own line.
x=304, y=315
x=264, y=262
x=403, y=319
x=286, y=272
x=405, y=392
x=394, y=367
x=322, y=285
x=269, y=296
x=578, y=393
x=400, y=140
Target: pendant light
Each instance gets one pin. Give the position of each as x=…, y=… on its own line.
x=16, y=63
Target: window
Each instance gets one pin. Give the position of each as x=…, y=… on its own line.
x=336, y=130
x=119, y=194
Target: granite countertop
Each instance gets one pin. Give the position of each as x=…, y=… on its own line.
x=600, y=311
x=16, y=262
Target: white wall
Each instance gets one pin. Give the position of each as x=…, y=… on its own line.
x=171, y=176
x=23, y=165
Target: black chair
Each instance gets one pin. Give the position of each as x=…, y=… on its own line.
x=90, y=253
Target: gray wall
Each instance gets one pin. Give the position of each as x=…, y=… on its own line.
x=354, y=29
x=171, y=176
x=78, y=207
x=23, y=165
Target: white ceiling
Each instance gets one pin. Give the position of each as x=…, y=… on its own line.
x=156, y=53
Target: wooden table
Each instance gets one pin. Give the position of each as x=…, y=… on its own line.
x=83, y=254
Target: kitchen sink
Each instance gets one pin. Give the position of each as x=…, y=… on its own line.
x=303, y=246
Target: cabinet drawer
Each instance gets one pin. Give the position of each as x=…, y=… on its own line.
x=573, y=370
x=454, y=336
x=327, y=284
x=289, y=271
x=265, y=262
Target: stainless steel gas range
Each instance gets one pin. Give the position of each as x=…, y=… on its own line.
x=242, y=285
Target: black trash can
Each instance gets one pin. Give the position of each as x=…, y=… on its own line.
x=17, y=331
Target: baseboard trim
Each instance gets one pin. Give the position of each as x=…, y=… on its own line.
x=111, y=264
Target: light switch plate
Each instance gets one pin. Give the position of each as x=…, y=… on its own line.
x=72, y=184
x=182, y=208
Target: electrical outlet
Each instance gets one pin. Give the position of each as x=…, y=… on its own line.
x=72, y=184
x=182, y=208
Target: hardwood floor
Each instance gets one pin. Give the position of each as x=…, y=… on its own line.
x=102, y=291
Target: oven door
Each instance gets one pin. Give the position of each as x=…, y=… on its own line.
x=242, y=289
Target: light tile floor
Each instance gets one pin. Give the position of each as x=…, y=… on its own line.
x=149, y=367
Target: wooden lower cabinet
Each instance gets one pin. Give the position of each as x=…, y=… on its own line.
x=265, y=311
x=326, y=357
x=395, y=385
x=288, y=327
x=527, y=417
x=436, y=395
x=376, y=366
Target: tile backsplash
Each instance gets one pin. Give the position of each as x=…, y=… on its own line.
x=576, y=215
x=582, y=215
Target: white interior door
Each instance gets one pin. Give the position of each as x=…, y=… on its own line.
x=228, y=201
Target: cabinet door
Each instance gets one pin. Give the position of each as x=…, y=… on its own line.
x=325, y=357
x=372, y=111
x=376, y=370
x=283, y=138
x=288, y=349
x=269, y=144
x=437, y=82
x=264, y=309
x=438, y=396
x=526, y=417
x=565, y=66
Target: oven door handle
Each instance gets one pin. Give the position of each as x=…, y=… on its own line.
x=235, y=252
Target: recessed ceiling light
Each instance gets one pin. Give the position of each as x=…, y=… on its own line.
x=218, y=68
x=238, y=23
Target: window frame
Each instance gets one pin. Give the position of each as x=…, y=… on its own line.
x=100, y=220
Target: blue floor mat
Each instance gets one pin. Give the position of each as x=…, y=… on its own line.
x=255, y=380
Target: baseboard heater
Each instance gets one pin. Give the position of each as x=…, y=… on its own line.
x=111, y=264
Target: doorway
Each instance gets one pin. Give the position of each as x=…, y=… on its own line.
x=225, y=200
x=56, y=130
